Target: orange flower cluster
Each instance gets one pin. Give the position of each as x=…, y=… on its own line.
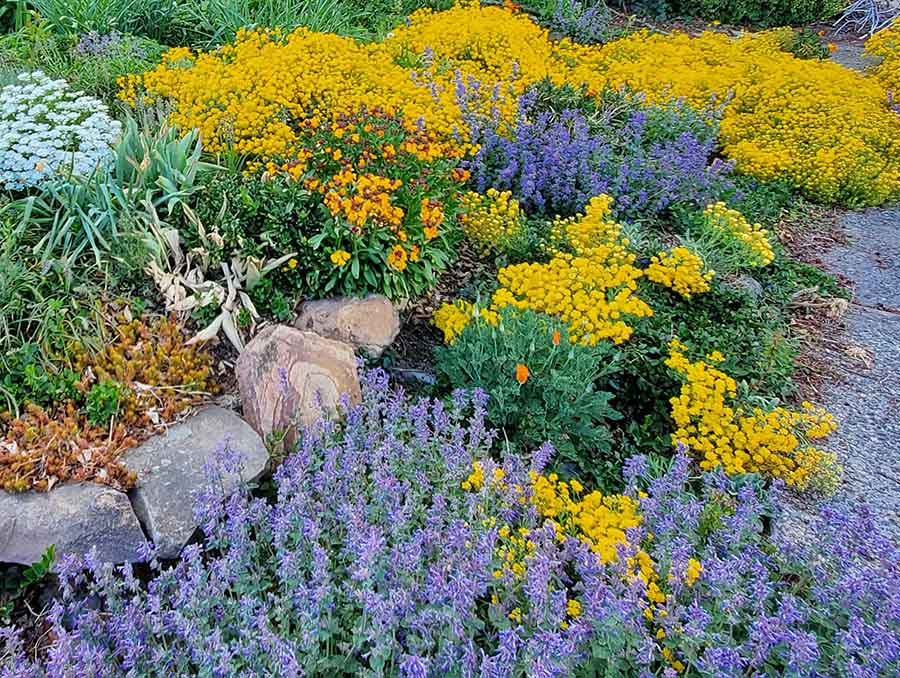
x=357, y=198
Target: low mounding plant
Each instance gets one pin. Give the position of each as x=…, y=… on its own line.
x=396, y=548
x=46, y=130
x=761, y=12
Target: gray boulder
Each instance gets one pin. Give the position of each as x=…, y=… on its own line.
x=170, y=467
x=74, y=518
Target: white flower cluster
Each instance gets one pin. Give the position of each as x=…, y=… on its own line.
x=46, y=128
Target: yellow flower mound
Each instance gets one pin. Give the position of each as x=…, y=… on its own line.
x=769, y=443
x=751, y=239
x=596, y=519
x=491, y=219
x=503, y=52
x=680, y=270
x=886, y=44
x=825, y=129
x=592, y=288
x=452, y=319
x=589, y=283
x=245, y=95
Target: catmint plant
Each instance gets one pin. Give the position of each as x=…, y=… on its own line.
x=555, y=161
x=46, y=129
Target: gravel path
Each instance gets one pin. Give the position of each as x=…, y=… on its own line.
x=866, y=402
x=866, y=399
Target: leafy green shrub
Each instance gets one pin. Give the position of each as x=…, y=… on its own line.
x=804, y=43
x=29, y=377
x=541, y=388
x=761, y=12
x=262, y=219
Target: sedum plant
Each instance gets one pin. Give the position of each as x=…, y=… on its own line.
x=46, y=130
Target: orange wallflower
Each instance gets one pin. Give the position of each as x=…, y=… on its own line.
x=521, y=373
x=397, y=258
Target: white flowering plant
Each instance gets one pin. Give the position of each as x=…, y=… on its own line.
x=47, y=129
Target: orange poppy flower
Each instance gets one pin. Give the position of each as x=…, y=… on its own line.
x=521, y=373
x=556, y=338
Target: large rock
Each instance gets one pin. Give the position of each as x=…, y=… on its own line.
x=74, y=518
x=287, y=377
x=370, y=324
x=171, y=466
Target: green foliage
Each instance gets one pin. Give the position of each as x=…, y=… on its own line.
x=785, y=277
x=214, y=22
x=43, y=313
x=266, y=220
x=761, y=202
x=90, y=63
x=760, y=12
x=150, y=170
x=103, y=401
x=151, y=18
x=16, y=581
x=561, y=400
x=752, y=336
x=29, y=378
x=804, y=43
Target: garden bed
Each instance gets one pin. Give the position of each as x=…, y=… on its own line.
x=604, y=242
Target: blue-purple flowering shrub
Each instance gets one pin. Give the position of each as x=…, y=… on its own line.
x=587, y=22
x=397, y=547
x=555, y=158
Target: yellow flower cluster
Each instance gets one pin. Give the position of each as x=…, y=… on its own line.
x=491, y=219
x=680, y=270
x=825, y=129
x=590, y=288
x=769, y=443
x=398, y=258
x=431, y=215
x=340, y=258
x=500, y=51
x=596, y=519
x=751, y=239
x=886, y=45
x=245, y=95
x=452, y=319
